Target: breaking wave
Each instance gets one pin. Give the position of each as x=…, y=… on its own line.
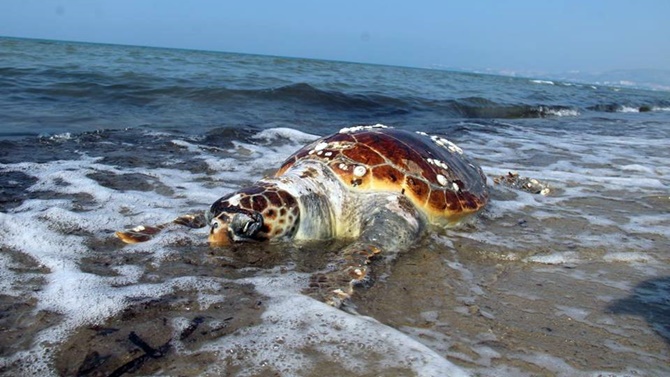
x=140, y=90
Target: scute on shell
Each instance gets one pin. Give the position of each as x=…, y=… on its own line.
x=431, y=171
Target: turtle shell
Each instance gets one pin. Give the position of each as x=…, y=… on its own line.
x=430, y=170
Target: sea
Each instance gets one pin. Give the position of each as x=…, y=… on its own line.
x=97, y=138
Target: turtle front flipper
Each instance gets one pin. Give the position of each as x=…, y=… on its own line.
x=140, y=233
x=144, y=233
x=335, y=287
x=392, y=225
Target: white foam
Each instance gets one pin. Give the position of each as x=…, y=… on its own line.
x=583, y=171
x=128, y=274
x=546, y=82
x=563, y=112
x=627, y=257
x=628, y=109
x=637, y=168
x=43, y=230
x=287, y=337
x=555, y=258
x=657, y=224
x=55, y=232
x=57, y=137
x=291, y=134
x=577, y=314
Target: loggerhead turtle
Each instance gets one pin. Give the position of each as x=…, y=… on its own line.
x=377, y=186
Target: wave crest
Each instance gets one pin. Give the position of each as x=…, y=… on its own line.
x=136, y=89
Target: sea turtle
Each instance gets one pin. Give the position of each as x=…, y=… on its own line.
x=378, y=186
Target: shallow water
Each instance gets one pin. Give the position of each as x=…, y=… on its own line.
x=575, y=283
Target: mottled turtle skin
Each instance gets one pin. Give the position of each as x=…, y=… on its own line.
x=377, y=186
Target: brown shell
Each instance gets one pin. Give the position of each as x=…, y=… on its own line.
x=431, y=171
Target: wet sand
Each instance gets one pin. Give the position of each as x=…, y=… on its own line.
x=489, y=314
x=527, y=319
x=576, y=283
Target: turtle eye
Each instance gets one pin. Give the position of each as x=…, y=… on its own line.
x=214, y=224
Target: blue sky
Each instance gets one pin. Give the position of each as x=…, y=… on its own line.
x=522, y=36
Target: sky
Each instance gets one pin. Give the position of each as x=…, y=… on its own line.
x=500, y=35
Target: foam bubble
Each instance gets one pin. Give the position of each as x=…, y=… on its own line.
x=291, y=134
x=584, y=173
x=578, y=314
x=54, y=233
x=288, y=340
x=555, y=258
x=605, y=210
x=627, y=257
x=563, y=112
x=628, y=109
x=57, y=137
x=546, y=82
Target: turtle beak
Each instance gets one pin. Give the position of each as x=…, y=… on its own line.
x=218, y=234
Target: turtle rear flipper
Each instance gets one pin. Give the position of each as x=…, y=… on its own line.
x=144, y=233
x=194, y=221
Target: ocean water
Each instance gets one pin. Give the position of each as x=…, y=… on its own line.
x=98, y=138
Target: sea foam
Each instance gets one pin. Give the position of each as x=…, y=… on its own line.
x=69, y=210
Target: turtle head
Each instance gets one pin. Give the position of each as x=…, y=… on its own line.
x=235, y=225
x=257, y=213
